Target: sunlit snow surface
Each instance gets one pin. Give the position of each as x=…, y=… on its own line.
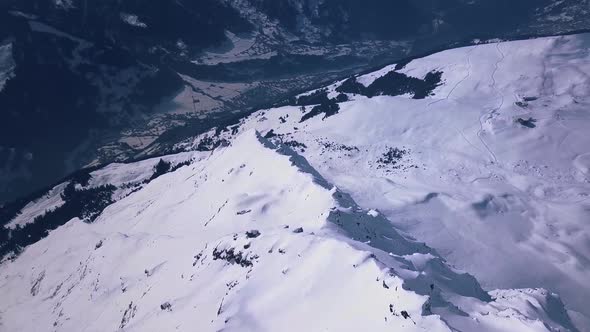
x=503, y=201
x=258, y=237
x=248, y=238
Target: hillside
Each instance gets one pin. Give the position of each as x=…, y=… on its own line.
x=446, y=193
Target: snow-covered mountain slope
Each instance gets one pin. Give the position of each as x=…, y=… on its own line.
x=490, y=168
x=248, y=238
x=364, y=206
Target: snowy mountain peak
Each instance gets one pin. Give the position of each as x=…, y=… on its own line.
x=251, y=238
x=417, y=197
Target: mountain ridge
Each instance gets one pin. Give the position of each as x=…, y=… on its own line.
x=240, y=266
x=449, y=189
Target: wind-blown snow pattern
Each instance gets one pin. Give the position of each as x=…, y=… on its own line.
x=461, y=211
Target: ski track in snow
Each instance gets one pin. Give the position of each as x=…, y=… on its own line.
x=468, y=60
x=468, y=57
x=488, y=116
